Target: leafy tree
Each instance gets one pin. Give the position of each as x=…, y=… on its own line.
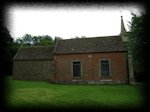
x=35, y=40
x=27, y=39
x=135, y=44
x=5, y=56
x=19, y=41
x=46, y=41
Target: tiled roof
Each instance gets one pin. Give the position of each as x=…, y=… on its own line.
x=90, y=45
x=34, y=53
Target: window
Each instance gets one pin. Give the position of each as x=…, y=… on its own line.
x=76, y=69
x=105, y=68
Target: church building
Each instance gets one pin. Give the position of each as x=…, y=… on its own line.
x=92, y=60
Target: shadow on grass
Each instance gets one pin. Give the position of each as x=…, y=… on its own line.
x=82, y=105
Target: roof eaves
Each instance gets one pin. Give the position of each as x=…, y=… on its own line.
x=32, y=59
x=90, y=52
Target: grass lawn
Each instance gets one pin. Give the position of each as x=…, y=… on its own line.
x=36, y=94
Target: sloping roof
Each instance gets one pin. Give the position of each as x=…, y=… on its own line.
x=34, y=53
x=90, y=45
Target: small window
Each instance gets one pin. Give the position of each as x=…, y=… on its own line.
x=105, y=68
x=77, y=69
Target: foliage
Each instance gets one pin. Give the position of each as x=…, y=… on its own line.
x=36, y=94
x=28, y=40
x=5, y=50
x=135, y=44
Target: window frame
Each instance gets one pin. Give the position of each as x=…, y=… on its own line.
x=100, y=71
x=80, y=69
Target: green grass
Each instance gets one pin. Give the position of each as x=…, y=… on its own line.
x=37, y=94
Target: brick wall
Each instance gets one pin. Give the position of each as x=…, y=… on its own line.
x=91, y=66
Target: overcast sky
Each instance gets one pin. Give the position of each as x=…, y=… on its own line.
x=68, y=21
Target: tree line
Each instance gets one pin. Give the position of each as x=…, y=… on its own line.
x=29, y=40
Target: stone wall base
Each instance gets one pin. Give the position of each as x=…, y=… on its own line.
x=91, y=82
x=132, y=81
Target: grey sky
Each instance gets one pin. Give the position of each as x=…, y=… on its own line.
x=69, y=21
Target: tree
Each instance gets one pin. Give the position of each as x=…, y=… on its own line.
x=46, y=41
x=19, y=41
x=135, y=44
x=5, y=56
x=35, y=40
x=27, y=39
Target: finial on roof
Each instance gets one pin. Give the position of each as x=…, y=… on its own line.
x=121, y=17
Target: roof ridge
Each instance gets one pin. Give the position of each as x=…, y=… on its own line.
x=92, y=37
